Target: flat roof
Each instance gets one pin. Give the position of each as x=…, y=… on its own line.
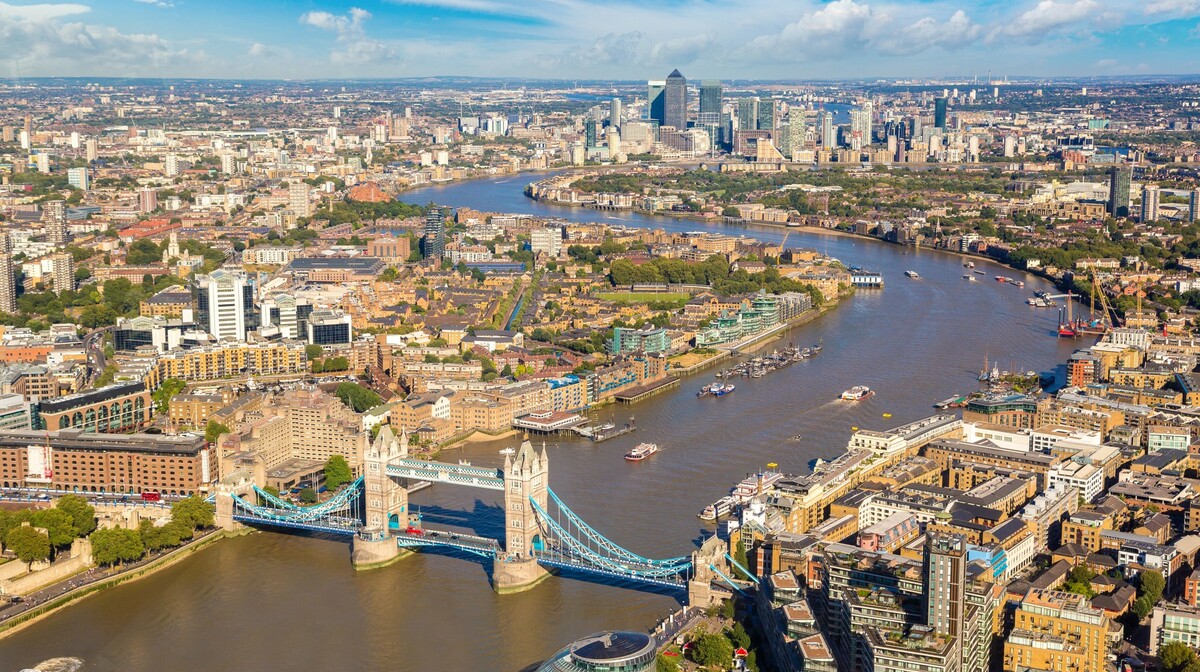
x=74, y=439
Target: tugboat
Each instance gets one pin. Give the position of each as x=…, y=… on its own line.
x=641, y=452
x=857, y=393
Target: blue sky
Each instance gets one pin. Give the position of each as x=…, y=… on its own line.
x=615, y=39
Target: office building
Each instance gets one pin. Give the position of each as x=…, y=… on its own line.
x=222, y=306
x=1118, y=191
x=8, y=292
x=710, y=102
x=768, y=115
x=433, y=245
x=287, y=314
x=590, y=135
x=94, y=462
x=614, y=113
x=939, y=113
x=675, y=101
x=1150, y=200
x=747, y=114
x=54, y=219
x=329, y=327
x=655, y=100
x=62, y=270
x=78, y=178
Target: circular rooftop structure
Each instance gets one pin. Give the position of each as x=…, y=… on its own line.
x=616, y=651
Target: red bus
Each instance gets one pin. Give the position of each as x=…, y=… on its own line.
x=151, y=496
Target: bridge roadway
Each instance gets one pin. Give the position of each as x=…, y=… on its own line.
x=458, y=474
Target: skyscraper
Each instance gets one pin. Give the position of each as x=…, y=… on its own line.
x=589, y=132
x=945, y=583
x=221, y=304
x=1118, y=191
x=298, y=201
x=78, y=178
x=54, y=219
x=768, y=114
x=675, y=103
x=8, y=292
x=655, y=100
x=710, y=102
x=614, y=113
x=1150, y=203
x=939, y=113
x=433, y=245
x=828, y=134
x=1194, y=206
x=147, y=200
x=747, y=114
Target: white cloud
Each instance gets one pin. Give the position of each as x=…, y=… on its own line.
x=42, y=12
x=1184, y=7
x=469, y=5
x=259, y=50
x=157, y=3
x=354, y=47
x=1050, y=15
x=48, y=46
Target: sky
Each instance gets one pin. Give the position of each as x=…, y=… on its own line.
x=598, y=39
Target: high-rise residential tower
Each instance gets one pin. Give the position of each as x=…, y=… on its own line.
x=614, y=113
x=8, y=291
x=768, y=115
x=747, y=114
x=54, y=219
x=1118, y=191
x=433, y=245
x=675, y=102
x=1150, y=200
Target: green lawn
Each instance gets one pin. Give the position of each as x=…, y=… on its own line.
x=645, y=297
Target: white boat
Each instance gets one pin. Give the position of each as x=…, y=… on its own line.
x=719, y=508
x=857, y=393
x=508, y=451
x=641, y=452
x=912, y=274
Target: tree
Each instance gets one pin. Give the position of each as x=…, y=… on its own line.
x=313, y=352
x=156, y=538
x=113, y=546
x=29, y=544
x=357, y=397
x=57, y=523
x=83, y=515
x=712, y=650
x=1151, y=584
x=665, y=664
x=1175, y=656
x=1142, y=607
x=337, y=472
x=193, y=512
x=214, y=430
x=739, y=554
x=165, y=392
x=738, y=635
x=308, y=496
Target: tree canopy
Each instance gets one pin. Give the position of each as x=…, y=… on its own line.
x=337, y=472
x=357, y=397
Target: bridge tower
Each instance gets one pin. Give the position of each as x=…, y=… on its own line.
x=526, y=479
x=385, y=502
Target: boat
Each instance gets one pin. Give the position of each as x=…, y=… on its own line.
x=507, y=451
x=641, y=452
x=753, y=486
x=722, y=390
x=887, y=415
x=973, y=279
x=857, y=393
x=969, y=264
x=912, y=274
x=1019, y=284
x=968, y=277
x=464, y=463
x=1001, y=278
x=719, y=508
x=980, y=273
x=796, y=437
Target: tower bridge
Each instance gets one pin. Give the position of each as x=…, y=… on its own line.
x=540, y=531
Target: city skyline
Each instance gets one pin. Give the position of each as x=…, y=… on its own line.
x=552, y=39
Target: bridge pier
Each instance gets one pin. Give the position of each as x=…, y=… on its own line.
x=373, y=548
x=516, y=575
x=224, y=509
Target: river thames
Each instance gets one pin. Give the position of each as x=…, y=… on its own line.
x=274, y=601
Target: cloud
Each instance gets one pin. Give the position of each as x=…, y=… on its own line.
x=683, y=50
x=55, y=47
x=259, y=50
x=43, y=12
x=354, y=47
x=1048, y=16
x=1184, y=7
x=156, y=3
x=848, y=28
x=469, y=5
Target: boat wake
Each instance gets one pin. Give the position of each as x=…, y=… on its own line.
x=57, y=665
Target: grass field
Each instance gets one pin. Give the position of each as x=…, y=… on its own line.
x=644, y=297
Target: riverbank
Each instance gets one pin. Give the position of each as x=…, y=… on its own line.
x=12, y=625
